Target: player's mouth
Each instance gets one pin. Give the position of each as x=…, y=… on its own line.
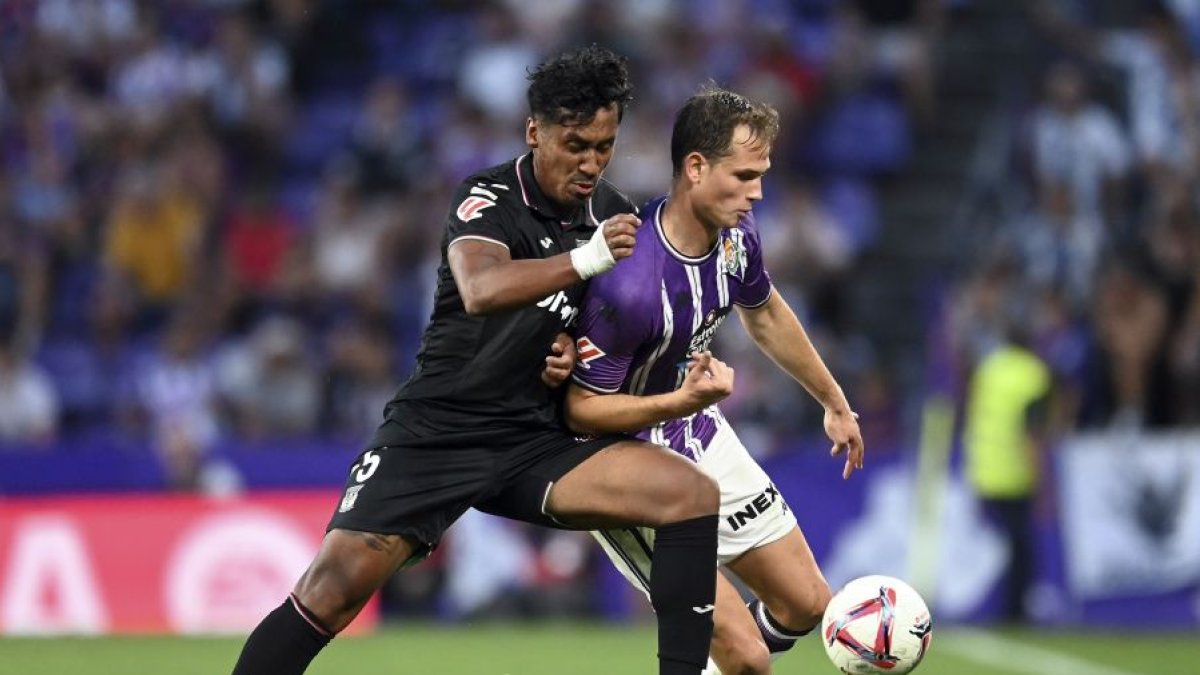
x=583, y=190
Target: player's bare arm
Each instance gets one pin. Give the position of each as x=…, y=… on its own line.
x=560, y=362
x=708, y=381
x=490, y=281
x=779, y=334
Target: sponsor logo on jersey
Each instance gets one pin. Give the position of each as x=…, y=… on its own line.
x=350, y=497
x=546, y=242
x=754, y=508
x=560, y=304
x=472, y=207
x=733, y=254
x=703, y=336
x=586, y=351
x=704, y=609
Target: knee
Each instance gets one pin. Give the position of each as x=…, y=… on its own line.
x=335, y=588
x=692, y=495
x=806, y=613
x=332, y=598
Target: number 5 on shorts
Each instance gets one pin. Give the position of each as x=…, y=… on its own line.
x=370, y=462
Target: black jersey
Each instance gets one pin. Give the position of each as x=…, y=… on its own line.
x=489, y=367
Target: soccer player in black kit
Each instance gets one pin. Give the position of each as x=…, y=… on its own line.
x=477, y=424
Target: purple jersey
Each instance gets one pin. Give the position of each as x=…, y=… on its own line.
x=641, y=320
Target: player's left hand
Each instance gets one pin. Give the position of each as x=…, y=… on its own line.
x=842, y=428
x=561, y=361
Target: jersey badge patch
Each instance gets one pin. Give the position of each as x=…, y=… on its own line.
x=733, y=254
x=587, y=351
x=472, y=207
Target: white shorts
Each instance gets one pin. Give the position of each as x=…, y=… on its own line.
x=753, y=513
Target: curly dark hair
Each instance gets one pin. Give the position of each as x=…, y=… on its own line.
x=571, y=87
x=706, y=123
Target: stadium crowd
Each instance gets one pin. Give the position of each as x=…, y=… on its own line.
x=1092, y=258
x=220, y=218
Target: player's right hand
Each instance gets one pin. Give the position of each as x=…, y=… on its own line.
x=620, y=233
x=708, y=381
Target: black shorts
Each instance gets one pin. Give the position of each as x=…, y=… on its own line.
x=433, y=470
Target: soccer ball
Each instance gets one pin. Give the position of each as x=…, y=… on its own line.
x=876, y=624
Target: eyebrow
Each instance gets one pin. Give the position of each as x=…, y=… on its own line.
x=749, y=171
x=573, y=137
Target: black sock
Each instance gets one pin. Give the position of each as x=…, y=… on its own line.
x=683, y=591
x=778, y=637
x=284, y=643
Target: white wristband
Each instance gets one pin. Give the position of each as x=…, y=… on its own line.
x=593, y=257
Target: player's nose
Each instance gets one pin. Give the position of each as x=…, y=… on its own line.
x=756, y=192
x=590, y=166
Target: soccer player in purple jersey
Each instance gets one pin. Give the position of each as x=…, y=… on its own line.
x=643, y=366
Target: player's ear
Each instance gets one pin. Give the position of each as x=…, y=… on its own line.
x=531, y=132
x=694, y=165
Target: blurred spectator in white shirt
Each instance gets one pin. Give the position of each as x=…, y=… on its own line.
x=173, y=398
x=270, y=381
x=1078, y=142
x=492, y=73
x=1163, y=92
x=29, y=404
x=87, y=25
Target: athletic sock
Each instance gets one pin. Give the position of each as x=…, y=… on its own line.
x=683, y=590
x=779, y=638
x=284, y=643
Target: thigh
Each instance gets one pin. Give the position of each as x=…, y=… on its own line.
x=532, y=467
x=785, y=576
x=753, y=512
x=631, y=483
x=414, y=490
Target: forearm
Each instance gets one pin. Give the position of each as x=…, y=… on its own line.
x=778, y=333
x=516, y=283
x=592, y=413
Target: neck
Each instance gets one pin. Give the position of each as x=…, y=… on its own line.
x=684, y=229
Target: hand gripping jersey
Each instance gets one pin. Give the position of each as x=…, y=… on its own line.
x=488, y=368
x=642, y=319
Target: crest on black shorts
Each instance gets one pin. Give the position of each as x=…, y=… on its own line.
x=350, y=497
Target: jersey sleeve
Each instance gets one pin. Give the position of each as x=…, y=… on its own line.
x=612, y=326
x=755, y=289
x=476, y=213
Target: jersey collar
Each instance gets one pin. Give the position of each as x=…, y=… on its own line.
x=537, y=201
x=674, y=252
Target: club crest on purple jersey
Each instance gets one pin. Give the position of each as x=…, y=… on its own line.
x=733, y=253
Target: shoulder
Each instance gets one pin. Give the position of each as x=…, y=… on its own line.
x=490, y=193
x=749, y=224
x=745, y=235
x=634, y=284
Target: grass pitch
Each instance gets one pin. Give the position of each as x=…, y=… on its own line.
x=574, y=649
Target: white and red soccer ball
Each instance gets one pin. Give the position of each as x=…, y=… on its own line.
x=876, y=624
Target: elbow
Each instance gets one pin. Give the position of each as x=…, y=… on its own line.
x=577, y=425
x=476, y=302
x=573, y=413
